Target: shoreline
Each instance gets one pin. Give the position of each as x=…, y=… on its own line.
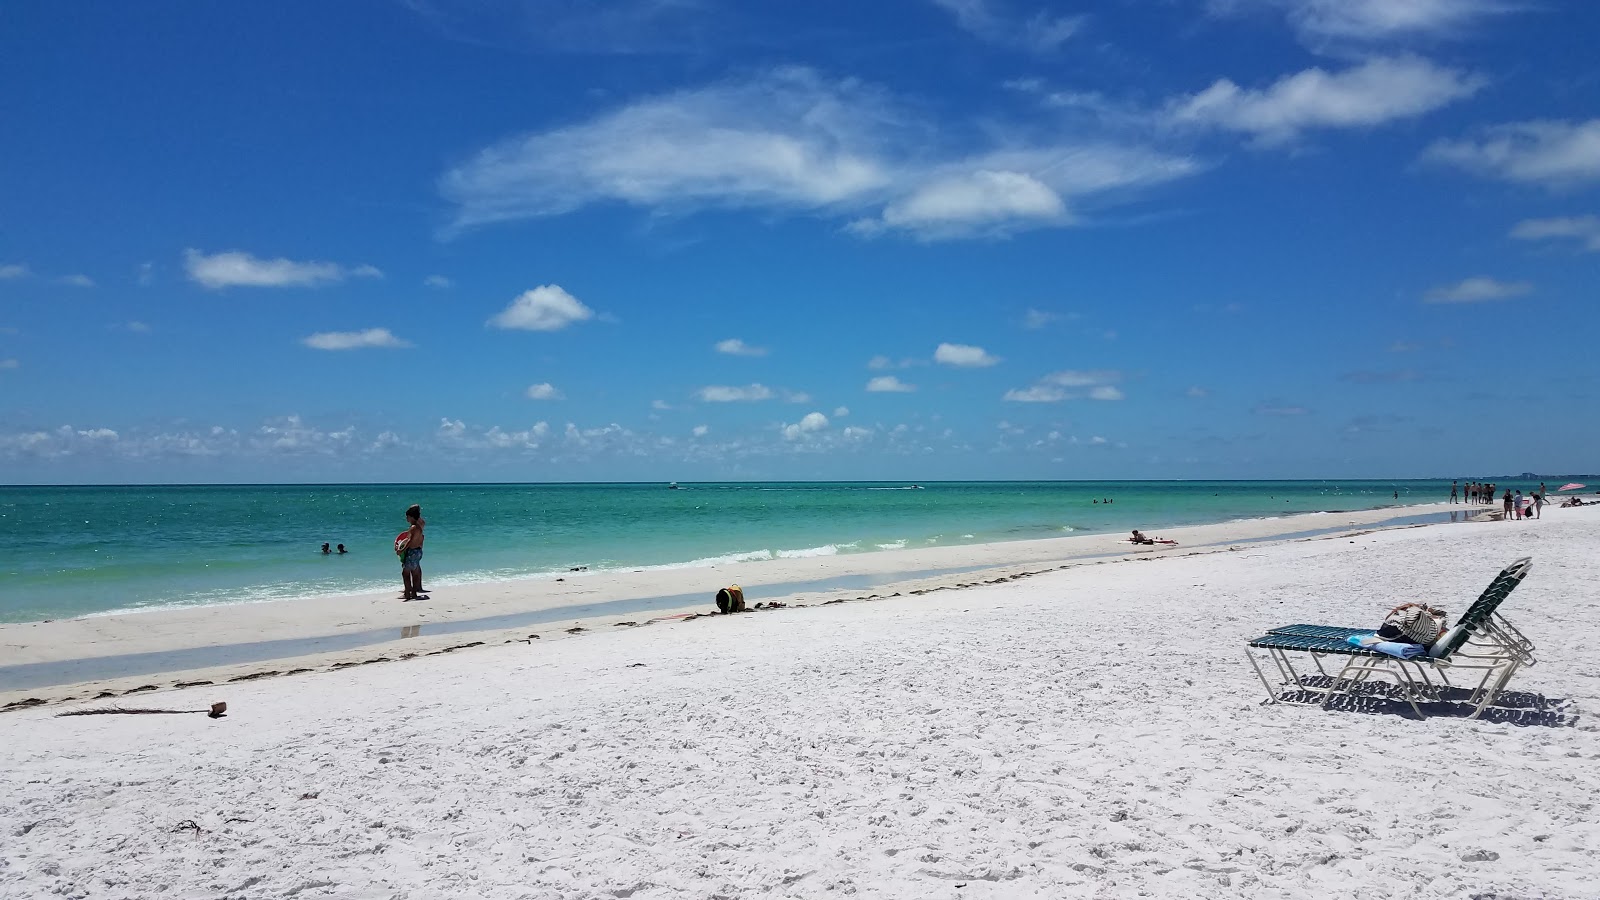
x=110, y=655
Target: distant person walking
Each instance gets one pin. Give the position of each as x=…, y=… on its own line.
x=409, y=547
x=1454, y=492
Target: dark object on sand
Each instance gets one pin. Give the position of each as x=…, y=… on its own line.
x=217, y=711
x=730, y=599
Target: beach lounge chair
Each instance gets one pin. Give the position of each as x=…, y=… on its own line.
x=1481, y=640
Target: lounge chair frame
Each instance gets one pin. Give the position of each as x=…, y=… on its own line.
x=1485, y=642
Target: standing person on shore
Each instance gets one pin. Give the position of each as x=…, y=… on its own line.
x=1538, y=503
x=1453, y=493
x=409, y=546
x=1506, y=505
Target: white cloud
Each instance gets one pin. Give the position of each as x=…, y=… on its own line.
x=1584, y=229
x=13, y=271
x=1379, y=90
x=1552, y=152
x=883, y=362
x=1372, y=20
x=438, y=281
x=971, y=202
x=137, y=327
x=10, y=364
x=736, y=347
x=353, y=340
x=545, y=308
x=660, y=405
x=82, y=281
x=888, y=384
x=234, y=268
x=1477, y=290
x=1039, y=393
x=701, y=430
x=1197, y=392
x=147, y=273
x=963, y=356
x=1279, y=408
x=813, y=421
x=1067, y=385
x=543, y=391
x=725, y=394
x=1005, y=191
x=1040, y=33
x=790, y=140
x=840, y=412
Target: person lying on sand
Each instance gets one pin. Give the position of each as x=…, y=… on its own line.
x=1140, y=537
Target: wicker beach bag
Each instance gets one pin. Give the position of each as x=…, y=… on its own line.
x=1416, y=623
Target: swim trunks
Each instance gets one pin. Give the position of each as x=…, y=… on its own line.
x=412, y=559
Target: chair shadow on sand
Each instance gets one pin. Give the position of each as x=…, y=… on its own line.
x=1382, y=698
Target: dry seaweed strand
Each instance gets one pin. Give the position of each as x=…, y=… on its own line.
x=217, y=711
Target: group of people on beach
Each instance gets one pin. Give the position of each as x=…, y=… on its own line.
x=1475, y=492
x=1514, y=504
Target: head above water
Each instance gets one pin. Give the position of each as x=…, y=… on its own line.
x=414, y=513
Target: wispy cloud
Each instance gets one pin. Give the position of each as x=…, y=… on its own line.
x=1396, y=376
x=438, y=282
x=888, y=384
x=700, y=431
x=1321, y=21
x=235, y=268
x=136, y=327
x=1035, y=319
x=13, y=271
x=717, y=393
x=1197, y=393
x=545, y=308
x=1070, y=384
x=1377, y=91
x=790, y=140
x=1553, y=153
x=1279, y=408
x=965, y=356
x=10, y=364
x=623, y=27
x=353, y=340
x=1477, y=290
x=81, y=281
x=736, y=347
x=543, y=391
x=989, y=20
x=1583, y=229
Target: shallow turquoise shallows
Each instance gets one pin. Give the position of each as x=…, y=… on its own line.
x=72, y=551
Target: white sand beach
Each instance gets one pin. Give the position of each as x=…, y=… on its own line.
x=112, y=654
x=1089, y=732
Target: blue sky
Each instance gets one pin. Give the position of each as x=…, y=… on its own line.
x=695, y=239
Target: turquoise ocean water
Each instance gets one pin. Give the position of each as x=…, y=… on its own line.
x=72, y=551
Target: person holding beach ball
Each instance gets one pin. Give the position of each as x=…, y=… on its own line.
x=408, y=546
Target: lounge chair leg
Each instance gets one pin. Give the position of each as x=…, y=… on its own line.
x=1272, y=696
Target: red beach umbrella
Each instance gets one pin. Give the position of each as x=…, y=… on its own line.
x=1571, y=486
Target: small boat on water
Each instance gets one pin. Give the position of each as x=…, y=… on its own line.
x=673, y=486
